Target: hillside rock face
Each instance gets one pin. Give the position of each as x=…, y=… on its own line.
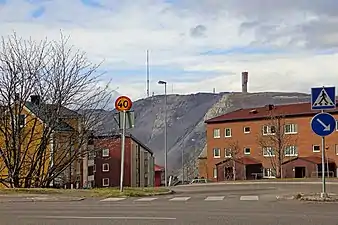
x=186, y=115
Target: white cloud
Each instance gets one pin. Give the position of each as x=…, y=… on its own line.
x=121, y=33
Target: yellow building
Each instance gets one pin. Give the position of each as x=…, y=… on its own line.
x=39, y=141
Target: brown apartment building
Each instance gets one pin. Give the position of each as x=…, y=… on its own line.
x=139, y=168
x=267, y=142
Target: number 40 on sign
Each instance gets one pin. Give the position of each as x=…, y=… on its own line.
x=123, y=103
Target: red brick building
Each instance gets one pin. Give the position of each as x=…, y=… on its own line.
x=138, y=165
x=243, y=144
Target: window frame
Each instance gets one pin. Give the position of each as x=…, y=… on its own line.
x=292, y=148
x=103, y=151
x=103, y=183
x=244, y=150
x=225, y=153
x=225, y=132
x=270, y=173
x=246, y=132
x=268, y=130
x=271, y=150
x=219, y=133
x=292, y=131
x=313, y=148
x=213, y=152
x=214, y=173
x=103, y=169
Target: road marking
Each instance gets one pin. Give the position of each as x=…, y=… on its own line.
x=249, y=198
x=214, y=198
x=179, y=199
x=112, y=199
x=100, y=217
x=145, y=199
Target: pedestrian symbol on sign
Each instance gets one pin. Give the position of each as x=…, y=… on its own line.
x=323, y=99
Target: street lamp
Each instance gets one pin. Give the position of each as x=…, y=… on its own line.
x=165, y=131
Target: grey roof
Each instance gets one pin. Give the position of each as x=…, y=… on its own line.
x=43, y=111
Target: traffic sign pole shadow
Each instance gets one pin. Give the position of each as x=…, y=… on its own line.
x=323, y=124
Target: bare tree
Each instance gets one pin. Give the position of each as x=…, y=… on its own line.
x=277, y=142
x=232, y=151
x=49, y=93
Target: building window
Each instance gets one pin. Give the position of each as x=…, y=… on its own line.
x=269, y=130
x=217, y=133
x=269, y=173
x=291, y=151
x=22, y=120
x=291, y=129
x=227, y=153
x=336, y=149
x=315, y=148
x=94, y=168
x=105, y=167
x=215, y=172
x=105, y=152
x=105, y=182
x=247, y=151
x=227, y=132
x=246, y=130
x=217, y=153
x=268, y=152
x=337, y=125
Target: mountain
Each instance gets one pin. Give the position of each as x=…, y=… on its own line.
x=186, y=115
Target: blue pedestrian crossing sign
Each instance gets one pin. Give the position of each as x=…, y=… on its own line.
x=323, y=98
x=323, y=124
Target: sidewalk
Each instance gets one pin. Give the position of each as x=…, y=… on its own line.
x=37, y=198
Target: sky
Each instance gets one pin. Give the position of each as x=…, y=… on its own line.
x=195, y=46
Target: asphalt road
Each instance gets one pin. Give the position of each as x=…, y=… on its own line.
x=266, y=210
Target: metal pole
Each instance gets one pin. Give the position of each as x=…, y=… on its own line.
x=165, y=135
x=323, y=194
x=123, y=149
x=182, y=165
x=327, y=163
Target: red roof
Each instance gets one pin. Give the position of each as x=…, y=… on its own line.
x=313, y=159
x=289, y=110
x=158, y=168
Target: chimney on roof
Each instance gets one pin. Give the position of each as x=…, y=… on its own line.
x=35, y=99
x=245, y=76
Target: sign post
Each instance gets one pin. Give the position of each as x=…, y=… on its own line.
x=323, y=124
x=123, y=104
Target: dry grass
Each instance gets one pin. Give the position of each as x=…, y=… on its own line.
x=95, y=192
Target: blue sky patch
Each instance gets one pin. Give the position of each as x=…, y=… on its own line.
x=38, y=12
x=92, y=3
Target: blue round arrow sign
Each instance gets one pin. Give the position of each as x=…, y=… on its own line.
x=323, y=124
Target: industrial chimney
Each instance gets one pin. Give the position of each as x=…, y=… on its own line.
x=245, y=82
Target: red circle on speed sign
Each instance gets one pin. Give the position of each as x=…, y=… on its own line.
x=123, y=103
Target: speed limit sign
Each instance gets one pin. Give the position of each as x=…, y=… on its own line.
x=123, y=103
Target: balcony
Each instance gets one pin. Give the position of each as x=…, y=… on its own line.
x=91, y=178
x=91, y=162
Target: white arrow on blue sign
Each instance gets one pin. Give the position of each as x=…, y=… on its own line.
x=323, y=124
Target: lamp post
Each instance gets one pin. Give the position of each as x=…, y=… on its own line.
x=165, y=132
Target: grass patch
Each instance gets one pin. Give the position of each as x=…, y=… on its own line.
x=95, y=192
